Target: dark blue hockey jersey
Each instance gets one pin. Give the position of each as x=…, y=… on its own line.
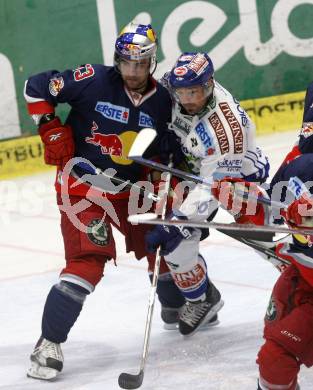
x=306, y=134
x=304, y=142
x=105, y=116
x=298, y=164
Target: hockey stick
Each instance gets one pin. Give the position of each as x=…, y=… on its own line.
x=152, y=219
x=268, y=252
x=90, y=168
x=174, y=171
x=234, y=231
x=200, y=180
x=106, y=180
x=133, y=381
x=145, y=138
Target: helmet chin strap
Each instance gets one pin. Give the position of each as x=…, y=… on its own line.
x=154, y=67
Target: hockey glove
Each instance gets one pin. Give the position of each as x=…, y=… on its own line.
x=233, y=194
x=255, y=166
x=169, y=145
x=58, y=142
x=300, y=212
x=168, y=237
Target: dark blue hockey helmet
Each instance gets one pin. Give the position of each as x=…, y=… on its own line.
x=191, y=69
x=135, y=42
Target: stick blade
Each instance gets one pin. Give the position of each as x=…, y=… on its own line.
x=142, y=142
x=130, y=381
x=138, y=218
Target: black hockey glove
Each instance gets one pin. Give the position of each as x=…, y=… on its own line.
x=170, y=146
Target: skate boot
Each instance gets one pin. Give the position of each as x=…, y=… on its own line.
x=46, y=360
x=170, y=317
x=194, y=314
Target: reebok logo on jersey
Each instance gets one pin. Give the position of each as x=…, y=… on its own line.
x=54, y=137
x=113, y=112
x=145, y=120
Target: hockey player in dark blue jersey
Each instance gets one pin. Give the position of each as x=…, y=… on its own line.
x=109, y=106
x=305, y=142
x=288, y=330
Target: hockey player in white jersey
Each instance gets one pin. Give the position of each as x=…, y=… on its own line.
x=218, y=139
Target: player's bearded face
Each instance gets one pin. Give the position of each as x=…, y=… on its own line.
x=193, y=99
x=135, y=73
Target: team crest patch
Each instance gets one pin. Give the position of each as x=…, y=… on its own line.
x=98, y=232
x=212, y=102
x=271, y=311
x=56, y=85
x=307, y=129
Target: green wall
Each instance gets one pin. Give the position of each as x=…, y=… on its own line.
x=259, y=47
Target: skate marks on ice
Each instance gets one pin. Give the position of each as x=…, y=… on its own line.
x=218, y=359
x=87, y=365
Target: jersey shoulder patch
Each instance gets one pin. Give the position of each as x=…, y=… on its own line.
x=83, y=72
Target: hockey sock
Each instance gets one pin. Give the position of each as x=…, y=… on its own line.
x=62, y=308
x=194, y=283
x=168, y=293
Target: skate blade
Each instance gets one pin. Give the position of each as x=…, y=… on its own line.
x=39, y=372
x=173, y=326
x=203, y=327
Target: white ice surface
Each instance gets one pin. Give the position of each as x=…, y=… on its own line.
x=107, y=339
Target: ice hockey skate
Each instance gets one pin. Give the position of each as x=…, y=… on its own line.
x=194, y=314
x=170, y=318
x=46, y=360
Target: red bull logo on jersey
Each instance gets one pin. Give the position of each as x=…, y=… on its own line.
x=56, y=85
x=110, y=144
x=113, y=112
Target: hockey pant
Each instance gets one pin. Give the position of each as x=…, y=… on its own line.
x=288, y=332
x=86, y=254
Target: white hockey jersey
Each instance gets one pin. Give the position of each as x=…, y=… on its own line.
x=218, y=142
